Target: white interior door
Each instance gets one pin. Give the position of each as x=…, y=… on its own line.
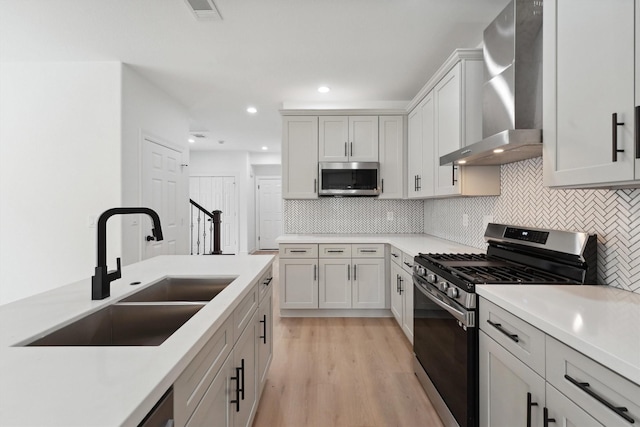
x=215, y=193
x=269, y=212
x=161, y=184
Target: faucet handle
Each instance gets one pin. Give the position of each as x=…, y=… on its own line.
x=115, y=274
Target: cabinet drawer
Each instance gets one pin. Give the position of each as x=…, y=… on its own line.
x=396, y=255
x=570, y=371
x=374, y=250
x=520, y=338
x=407, y=263
x=195, y=379
x=243, y=312
x=264, y=283
x=336, y=250
x=298, y=251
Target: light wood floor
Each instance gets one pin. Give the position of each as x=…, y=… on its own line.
x=341, y=372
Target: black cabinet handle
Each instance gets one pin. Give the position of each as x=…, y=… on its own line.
x=614, y=137
x=529, y=405
x=394, y=255
x=315, y=185
x=351, y=153
x=419, y=183
x=397, y=283
x=619, y=410
x=355, y=271
x=408, y=265
x=298, y=251
x=401, y=280
x=349, y=272
x=637, y=131
x=268, y=281
x=453, y=174
x=264, y=323
x=382, y=186
x=315, y=272
x=335, y=251
x=242, y=379
x=499, y=327
x=237, y=399
x=546, y=419
x=368, y=251
x=345, y=148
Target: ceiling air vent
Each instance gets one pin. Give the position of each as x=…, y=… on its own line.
x=204, y=10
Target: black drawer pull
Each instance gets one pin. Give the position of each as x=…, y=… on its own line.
x=408, y=265
x=268, y=281
x=620, y=410
x=394, y=255
x=237, y=399
x=296, y=251
x=499, y=327
x=368, y=251
x=335, y=251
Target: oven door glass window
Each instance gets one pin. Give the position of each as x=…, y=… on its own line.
x=448, y=353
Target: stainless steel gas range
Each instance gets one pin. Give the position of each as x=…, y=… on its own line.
x=445, y=304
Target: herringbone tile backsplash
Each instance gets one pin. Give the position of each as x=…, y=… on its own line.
x=613, y=215
x=355, y=215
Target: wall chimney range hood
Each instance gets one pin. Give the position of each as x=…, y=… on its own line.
x=512, y=91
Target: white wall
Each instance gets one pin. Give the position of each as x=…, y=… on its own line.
x=148, y=111
x=230, y=163
x=60, y=157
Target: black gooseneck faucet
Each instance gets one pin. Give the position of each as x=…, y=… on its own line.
x=101, y=281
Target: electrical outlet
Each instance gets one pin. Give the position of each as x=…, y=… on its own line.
x=389, y=216
x=465, y=220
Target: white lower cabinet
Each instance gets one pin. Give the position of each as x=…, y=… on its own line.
x=265, y=338
x=529, y=378
x=563, y=412
x=346, y=282
x=511, y=393
x=222, y=384
x=401, y=286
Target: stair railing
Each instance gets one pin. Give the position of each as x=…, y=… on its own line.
x=210, y=242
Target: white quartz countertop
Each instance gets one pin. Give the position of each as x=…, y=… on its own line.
x=411, y=244
x=107, y=386
x=601, y=322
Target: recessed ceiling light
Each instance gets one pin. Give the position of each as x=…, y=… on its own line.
x=252, y=110
x=191, y=140
x=264, y=148
x=462, y=162
x=499, y=150
x=323, y=89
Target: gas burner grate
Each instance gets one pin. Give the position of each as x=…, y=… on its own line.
x=454, y=257
x=506, y=274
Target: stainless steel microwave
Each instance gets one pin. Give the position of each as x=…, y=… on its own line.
x=349, y=178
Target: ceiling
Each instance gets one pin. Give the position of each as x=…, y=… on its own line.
x=262, y=53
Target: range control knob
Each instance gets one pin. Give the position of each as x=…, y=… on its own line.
x=420, y=270
x=452, y=292
x=443, y=286
x=431, y=278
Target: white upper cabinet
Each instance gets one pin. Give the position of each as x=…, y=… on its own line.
x=420, y=176
x=300, y=157
x=448, y=118
x=589, y=74
x=348, y=139
x=392, y=159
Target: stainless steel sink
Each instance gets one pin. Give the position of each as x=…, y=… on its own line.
x=183, y=289
x=123, y=325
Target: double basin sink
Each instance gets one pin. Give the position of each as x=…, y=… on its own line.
x=146, y=318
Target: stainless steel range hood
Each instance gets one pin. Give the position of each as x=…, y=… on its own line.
x=512, y=92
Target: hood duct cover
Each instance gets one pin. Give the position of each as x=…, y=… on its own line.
x=512, y=91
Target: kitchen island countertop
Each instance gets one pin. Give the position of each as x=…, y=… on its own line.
x=107, y=386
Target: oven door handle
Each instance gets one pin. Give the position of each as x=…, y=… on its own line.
x=459, y=315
